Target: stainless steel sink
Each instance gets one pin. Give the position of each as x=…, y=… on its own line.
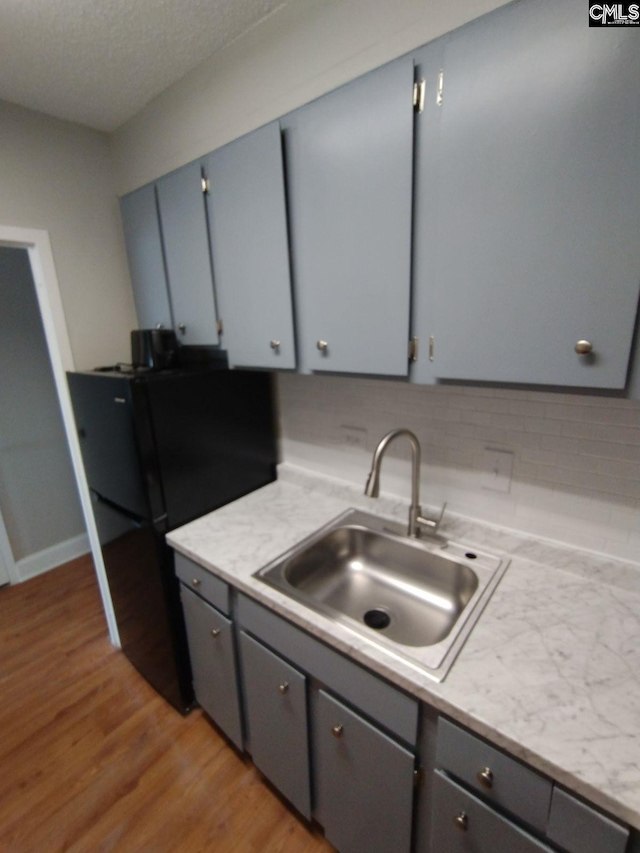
x=418, y=599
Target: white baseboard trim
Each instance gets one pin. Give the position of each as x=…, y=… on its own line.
x=49, y=558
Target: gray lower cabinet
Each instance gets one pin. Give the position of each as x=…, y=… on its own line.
x=500, y=779
x=527, y=265
x=578, y=828
x=276, y=712
x=464, y=824
x=143, y=241
x=363, y=782
x=362, y=734
x=250, y=247
x=188, y=257
x=483, y=801
x=343, y=745
x=213, y=661
x=349, y=169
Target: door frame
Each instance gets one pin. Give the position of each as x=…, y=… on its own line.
x=38, y=246
x=7, y=562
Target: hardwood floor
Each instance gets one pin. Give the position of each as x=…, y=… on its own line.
x=93, y=760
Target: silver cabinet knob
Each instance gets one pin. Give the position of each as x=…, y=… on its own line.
x=462, y=821
x=485, y=777
x=196, y=582
x=284, y=687
x=583, y=347
x=337, y=731
x=159, y=325
x=215, y=632
x=183, y=327
x=274, y=344
x=322, y=346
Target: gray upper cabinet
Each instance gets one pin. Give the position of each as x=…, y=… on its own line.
x=146, y=262
x=529, y=200
x=186, y=243
x=250, y=246
x=349, y=170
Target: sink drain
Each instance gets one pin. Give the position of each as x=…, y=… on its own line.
x=377, y=618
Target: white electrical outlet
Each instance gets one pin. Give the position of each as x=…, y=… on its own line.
x=353, y=436
x=497, y=468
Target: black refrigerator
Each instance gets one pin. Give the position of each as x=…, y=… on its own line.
x=160, y=449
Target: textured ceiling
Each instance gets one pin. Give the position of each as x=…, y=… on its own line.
x=98, y=62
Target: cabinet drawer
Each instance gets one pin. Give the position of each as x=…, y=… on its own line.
x=393, y=709
x=464, y=824
x=499, y=778
x=201, y=580
x=580, y=829
x=276, y=702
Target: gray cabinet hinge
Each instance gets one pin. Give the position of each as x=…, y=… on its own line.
x=418, y=95
x=206, y=186
x=432, y=345
x=413, y=349
x=418, y=777
x=440, y=88
x=220, y=327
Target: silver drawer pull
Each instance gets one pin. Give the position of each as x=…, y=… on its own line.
x=322, y=346
x=182, y=327
x=196, y=581
x=284, y=687
x=485, y=777
x=462, y=821
x=215, y=632
x=274, y=344
x=583, y=347
x=337, y=731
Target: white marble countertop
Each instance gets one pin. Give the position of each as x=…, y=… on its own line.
x=551, y=671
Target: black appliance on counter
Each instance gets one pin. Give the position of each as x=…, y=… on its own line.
x=154, y=348
x=160, y=449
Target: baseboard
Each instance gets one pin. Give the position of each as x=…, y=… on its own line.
x=49, y=558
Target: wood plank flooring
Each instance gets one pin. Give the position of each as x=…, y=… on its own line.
x=93, y=760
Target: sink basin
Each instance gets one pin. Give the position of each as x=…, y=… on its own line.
x=414, y=598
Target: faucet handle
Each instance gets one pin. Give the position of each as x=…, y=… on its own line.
x=432, y=524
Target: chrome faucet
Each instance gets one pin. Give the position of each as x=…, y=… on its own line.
x=372, y=489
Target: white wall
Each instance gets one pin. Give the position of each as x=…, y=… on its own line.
x=576, y=458
x=57, y=176
x=38, y=496
x=299, y=53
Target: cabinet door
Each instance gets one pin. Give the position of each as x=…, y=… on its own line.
x=349, y=181
x=186, y=243
x=363, y=782
x=536, y=192
x=139, y=212
x=276, y=703
x=250, y=247
x=213, y=662
x=464, y=824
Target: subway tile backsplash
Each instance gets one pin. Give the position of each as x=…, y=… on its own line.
x=576, y=459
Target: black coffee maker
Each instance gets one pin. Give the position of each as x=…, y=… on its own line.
x=156, y=349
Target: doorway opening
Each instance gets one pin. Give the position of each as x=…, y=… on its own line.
x=44, y=278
